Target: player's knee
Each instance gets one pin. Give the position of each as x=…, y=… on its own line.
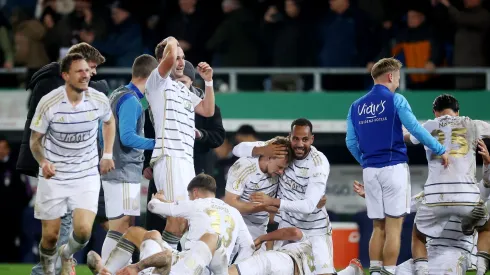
x=211, y=240
x=152, y=235
x=49, y=239
x=83, y=232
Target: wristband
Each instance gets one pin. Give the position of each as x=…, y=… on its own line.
x=107, y=156
x=208, y=83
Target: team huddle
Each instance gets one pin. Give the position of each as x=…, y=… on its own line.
x=282, y=180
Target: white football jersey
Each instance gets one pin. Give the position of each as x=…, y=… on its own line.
x=70, y=140
x=245, y=178
x=302, y=254
x=172, y=108
x=209, y=215
x=457, y=184
x=303, y=179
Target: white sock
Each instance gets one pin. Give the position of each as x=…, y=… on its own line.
x=421, y=266
x=74, y=245
x=482, y=262
x=387, y=270
x=219, y=262
x=120, y=256
x=347, y=271
x=110, y=243
x=48, y=259
x=375, y=267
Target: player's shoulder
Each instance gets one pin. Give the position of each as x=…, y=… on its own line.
x=54, y=97
x=245, y=165
x=317, y=158
x=98, y=97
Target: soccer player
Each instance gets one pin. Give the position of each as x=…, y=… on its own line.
x=205, y=213
x=256, y=174
x=156, y=256
x=123, y=183
x=300, y=189
x=453, y=191
x=291, y=259
x=451, y=253
x=42, y=82
x=63, y=141
x=375, y=139
x=172, y=106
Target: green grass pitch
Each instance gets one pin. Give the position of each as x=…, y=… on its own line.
x=25, y=269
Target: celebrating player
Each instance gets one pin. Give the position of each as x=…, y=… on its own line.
x=300, y=189
x=256, y=174
x=63, y=141
x=454, y=191
x=172, y=106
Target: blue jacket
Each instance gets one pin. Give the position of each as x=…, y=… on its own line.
x=375, y=133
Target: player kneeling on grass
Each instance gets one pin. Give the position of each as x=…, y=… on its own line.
x=156, y=256
x=295, y=258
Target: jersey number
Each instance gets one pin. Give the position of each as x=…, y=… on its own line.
x=217, y=224
x=458, y=138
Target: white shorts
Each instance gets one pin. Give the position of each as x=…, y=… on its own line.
x=431, y=220
x=388, y=191
x=322, y=246
x=124, y=199
x=173, y=175
x=267, y=263
x=448, y=261
x=444, y=261
x=54, y=200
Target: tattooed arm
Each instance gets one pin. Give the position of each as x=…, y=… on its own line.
x=35, y=142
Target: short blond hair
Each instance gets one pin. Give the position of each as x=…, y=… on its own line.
x=385, y=65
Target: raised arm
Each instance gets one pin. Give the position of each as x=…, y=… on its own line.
x=206, y=106
x=169, y=57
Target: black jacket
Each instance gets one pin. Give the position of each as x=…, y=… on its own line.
x=42, y=82
x=213, y=135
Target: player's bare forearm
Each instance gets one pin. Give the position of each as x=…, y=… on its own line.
x=258, y=151
x=35, y=142
x=406, y=138
x=208, y=102
x=109, y=133
x=283, y=234
x=158, y=260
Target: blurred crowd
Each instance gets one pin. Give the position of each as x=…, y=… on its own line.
x=259, y=33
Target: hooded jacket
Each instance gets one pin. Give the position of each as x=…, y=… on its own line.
x=42, y=82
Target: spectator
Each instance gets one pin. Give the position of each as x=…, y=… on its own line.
x=190, y=28
x=15, y=193
x=29, y=44
x=225, y=159
x=235, y=43
x=124, y=41
x=472, y=25
x=52, y=42
x=418, y=45
x=246, y=133
x=346, y=37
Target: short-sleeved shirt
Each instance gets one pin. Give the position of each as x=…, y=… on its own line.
x=70, y=140
x=172, y=107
